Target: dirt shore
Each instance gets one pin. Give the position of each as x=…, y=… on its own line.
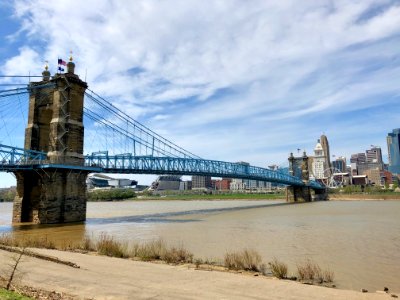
x=102, y=277
x=363, y=197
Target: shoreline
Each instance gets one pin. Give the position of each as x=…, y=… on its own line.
x=102, y=277
x=361, y=197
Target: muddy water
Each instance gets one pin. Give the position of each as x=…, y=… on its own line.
x=358, y=240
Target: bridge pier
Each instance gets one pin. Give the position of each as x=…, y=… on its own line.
x=320, y=195
x=51, y=196
x=305, y=194
x=54, y=190
x=298, y=194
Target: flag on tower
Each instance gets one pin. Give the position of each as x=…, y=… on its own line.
x=61, y=62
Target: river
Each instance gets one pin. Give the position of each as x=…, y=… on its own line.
x=358, y=240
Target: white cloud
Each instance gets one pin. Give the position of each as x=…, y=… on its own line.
x=232, y=75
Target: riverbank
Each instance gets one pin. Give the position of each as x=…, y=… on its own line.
x=357, y=197
x=100, y=277
x=331, y=233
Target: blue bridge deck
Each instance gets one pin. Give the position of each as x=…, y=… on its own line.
x=12, y=159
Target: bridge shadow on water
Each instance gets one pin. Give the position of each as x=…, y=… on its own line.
x=169, y=216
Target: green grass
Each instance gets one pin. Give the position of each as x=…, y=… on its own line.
x=10, y=295
x=110, y=195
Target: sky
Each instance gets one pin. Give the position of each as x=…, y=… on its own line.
x=228, y=80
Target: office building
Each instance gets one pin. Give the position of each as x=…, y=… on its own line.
x=339, y=164
x=393, y=143
x=374, y=176
x=201, y=182
x=222, y=184
x=374, y=155
x=355, y=161
x=325, y=147
x=319, y=161
x=358, y=158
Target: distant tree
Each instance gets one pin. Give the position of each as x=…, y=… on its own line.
x=395, y=184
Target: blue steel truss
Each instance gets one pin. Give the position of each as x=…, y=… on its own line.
x=12, y=158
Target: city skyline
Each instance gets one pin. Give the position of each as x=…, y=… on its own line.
x=243, y=86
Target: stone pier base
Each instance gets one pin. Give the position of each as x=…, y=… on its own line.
x=47, y=196
x=320, y=195
x=298, y=194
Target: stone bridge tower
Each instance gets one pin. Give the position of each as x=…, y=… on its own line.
x=299, y=193
x=55, y=193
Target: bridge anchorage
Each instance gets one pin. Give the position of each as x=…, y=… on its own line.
x=51, y=169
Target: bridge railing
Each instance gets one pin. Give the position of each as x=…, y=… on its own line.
x=128, y=163
x=13, y=157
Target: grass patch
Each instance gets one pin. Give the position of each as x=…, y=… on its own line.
x=107, y=245
x=248, y=260
x=158, y=250
x=310, y=271
x=177, y=255
x=110, y=195
x=278, y=269
x=10, y=295
x=31, y=242
x=153, y=250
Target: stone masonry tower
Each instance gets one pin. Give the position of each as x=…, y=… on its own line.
x=56, y=191
x=299, y=193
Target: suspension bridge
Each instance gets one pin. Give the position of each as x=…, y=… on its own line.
x=63, y=119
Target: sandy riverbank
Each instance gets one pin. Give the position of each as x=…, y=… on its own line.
x=102, y=277
x=357, y=197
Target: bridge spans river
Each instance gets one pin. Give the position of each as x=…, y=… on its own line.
x=51, y=168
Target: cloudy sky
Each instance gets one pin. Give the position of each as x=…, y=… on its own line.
x=228, y=80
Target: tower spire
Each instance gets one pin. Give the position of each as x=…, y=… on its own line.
x=70, y=65
x=46, y=73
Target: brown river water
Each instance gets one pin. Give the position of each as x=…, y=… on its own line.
x=358, y=240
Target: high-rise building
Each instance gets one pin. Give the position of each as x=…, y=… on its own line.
x=358, y=158
x=325, y=147
x=393, y=143
x=355, y=161
x=319, y=162
x=339, y=164
x=374, y=154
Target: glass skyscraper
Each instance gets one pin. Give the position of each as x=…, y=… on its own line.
x=393, y=143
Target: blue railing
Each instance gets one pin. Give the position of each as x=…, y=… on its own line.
x=16, y=158
x=128, y=163
x=13, y=158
